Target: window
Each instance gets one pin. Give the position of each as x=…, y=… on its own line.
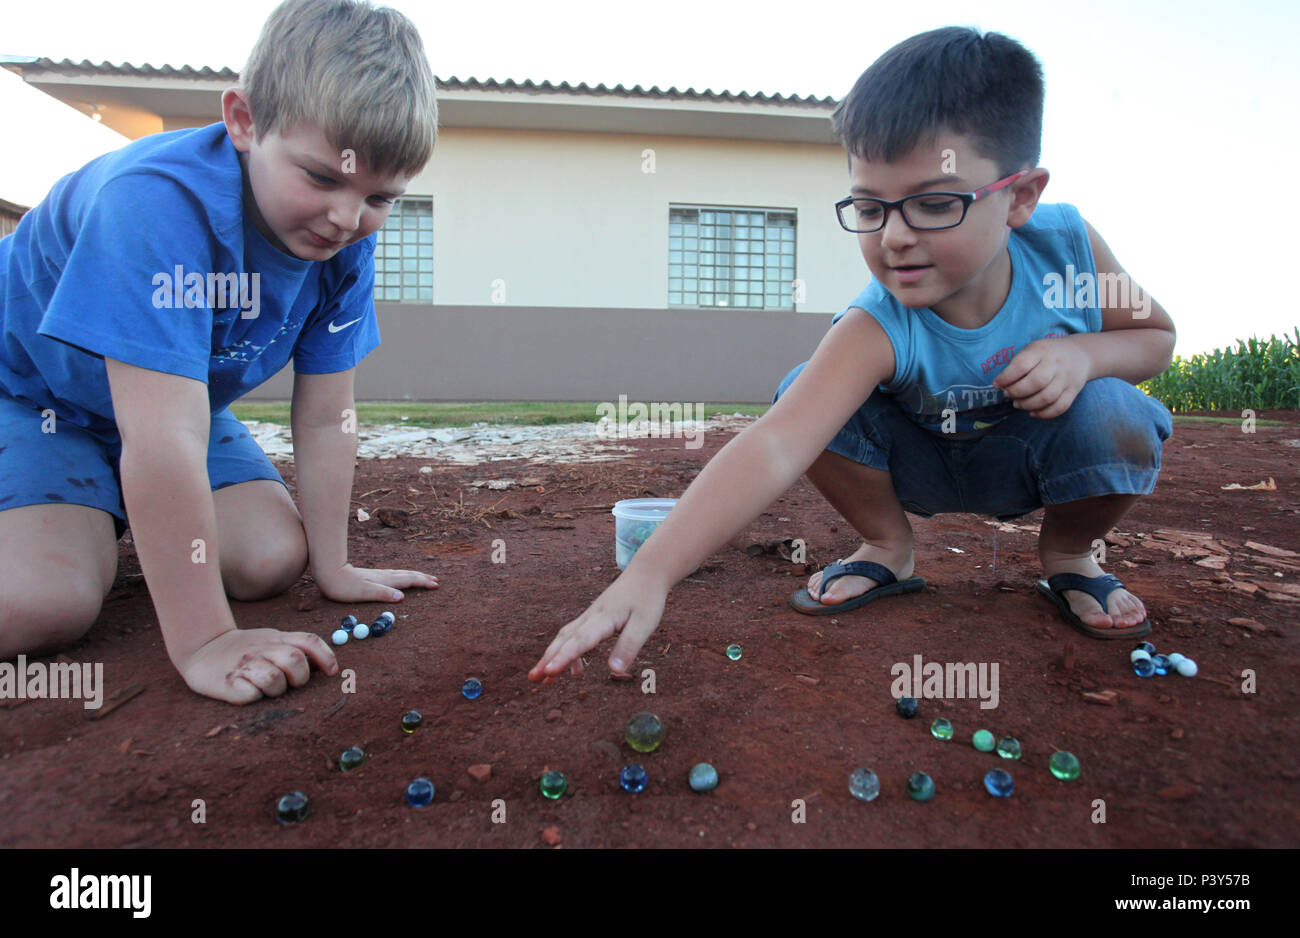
x=733, y=257
x=404, y=253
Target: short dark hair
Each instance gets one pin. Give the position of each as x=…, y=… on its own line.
x=988, y=87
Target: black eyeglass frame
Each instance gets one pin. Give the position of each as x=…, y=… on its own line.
x=966, y=198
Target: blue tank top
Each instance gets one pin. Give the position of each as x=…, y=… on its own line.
x=939, y=366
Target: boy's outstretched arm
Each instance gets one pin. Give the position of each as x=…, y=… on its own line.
x=747, y=475
x=164, y=422
x=323, y=418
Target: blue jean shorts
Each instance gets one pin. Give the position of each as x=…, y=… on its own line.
x=75, y=466
x=1107, y=443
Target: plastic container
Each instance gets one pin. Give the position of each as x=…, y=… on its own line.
x=635, y=519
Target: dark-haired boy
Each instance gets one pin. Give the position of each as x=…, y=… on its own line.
x=155, y=286
x=987, y=388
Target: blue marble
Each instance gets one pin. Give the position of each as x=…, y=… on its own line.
x=633, y=778
x=382, y=624
x=999, y=783
x=704, y=777
x=472, y=688
x=1147, y=647
x=920, y=786
x=864, y=785
x=348, y=624
x=352, y=757
x=419, y=793
x=411, y=721
x=1161, y=663
x=292, y=808
x=1143, y=667
x=908, y=707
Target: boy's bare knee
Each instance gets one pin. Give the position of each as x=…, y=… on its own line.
x=267, y=573
x=38, y=621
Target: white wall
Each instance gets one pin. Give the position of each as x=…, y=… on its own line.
x=571, y=219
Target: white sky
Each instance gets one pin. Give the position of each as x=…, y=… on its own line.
x=1162, y=124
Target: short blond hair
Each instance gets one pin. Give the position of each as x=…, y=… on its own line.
x=356, y=71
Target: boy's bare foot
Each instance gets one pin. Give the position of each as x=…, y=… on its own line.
x=1123, y=609
x=898, y=559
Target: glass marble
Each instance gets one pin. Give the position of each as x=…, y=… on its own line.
x=864, y=785
x=553, y=784
x=419, y=793
x=352, y=757
x=633, y=778
x=292, y=808
x=472, y=688
x=348, y=624
x=704, y=777
x=920, y=786
x=907, y=707
x=1161, y=663
x=1064, y=766
x=1174, y=658
x=382, y=624
x=339, y=637
x=360, y=631
x=998, y=783
x=1009, y=747
x=411, y=721
x=1147, y=647
x=1143, y=667
x=982, y=740
x=1137, y=653
x=1187, y=667
x=941, y=729
x=644, y=732
x=733, y=652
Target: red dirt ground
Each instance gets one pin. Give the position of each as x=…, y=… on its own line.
x=1178, y=762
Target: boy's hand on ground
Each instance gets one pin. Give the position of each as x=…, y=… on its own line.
x=627, y=606
x=349, y=584
x=243, y=665
x=1045, y=377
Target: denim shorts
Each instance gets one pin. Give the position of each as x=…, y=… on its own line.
x=1107, y=443
x=75, y=466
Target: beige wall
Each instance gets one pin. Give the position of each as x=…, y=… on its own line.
x=572, y=220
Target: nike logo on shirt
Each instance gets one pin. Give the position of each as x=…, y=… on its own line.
x=334, y=328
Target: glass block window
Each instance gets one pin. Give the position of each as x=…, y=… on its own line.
x=404, y=253
x=735, y=257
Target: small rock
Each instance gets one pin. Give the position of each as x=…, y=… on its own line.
x=1176, y=610
x=806, y=678
x=752, y=826
x=305, y=605
x=551, y=836
x=1105, y=698
x=1176, y=733
x=1179, y=791
x=480, y=772
x=582, y=695
x=1248, y=624
x=456, y=795
x=553, y=716
x=625, y=676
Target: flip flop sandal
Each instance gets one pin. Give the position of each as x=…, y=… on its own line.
x=889, y=585
x=1099, y=588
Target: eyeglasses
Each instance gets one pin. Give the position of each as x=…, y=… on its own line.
x=926, y=211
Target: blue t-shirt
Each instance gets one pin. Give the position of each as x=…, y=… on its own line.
x=145, y=255
x=940, y=366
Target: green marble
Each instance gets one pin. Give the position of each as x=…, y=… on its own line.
x=941, y=729
x=982, y=740
x=1064, y=765
x=1009, y=747
x=553, y=784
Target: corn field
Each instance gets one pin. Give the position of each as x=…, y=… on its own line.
x=1256, y=374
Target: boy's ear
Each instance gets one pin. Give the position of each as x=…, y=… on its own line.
x=237, y=113
x=1025, y=193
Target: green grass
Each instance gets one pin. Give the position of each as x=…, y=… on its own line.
x=459, y=414
x=1256, y=375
